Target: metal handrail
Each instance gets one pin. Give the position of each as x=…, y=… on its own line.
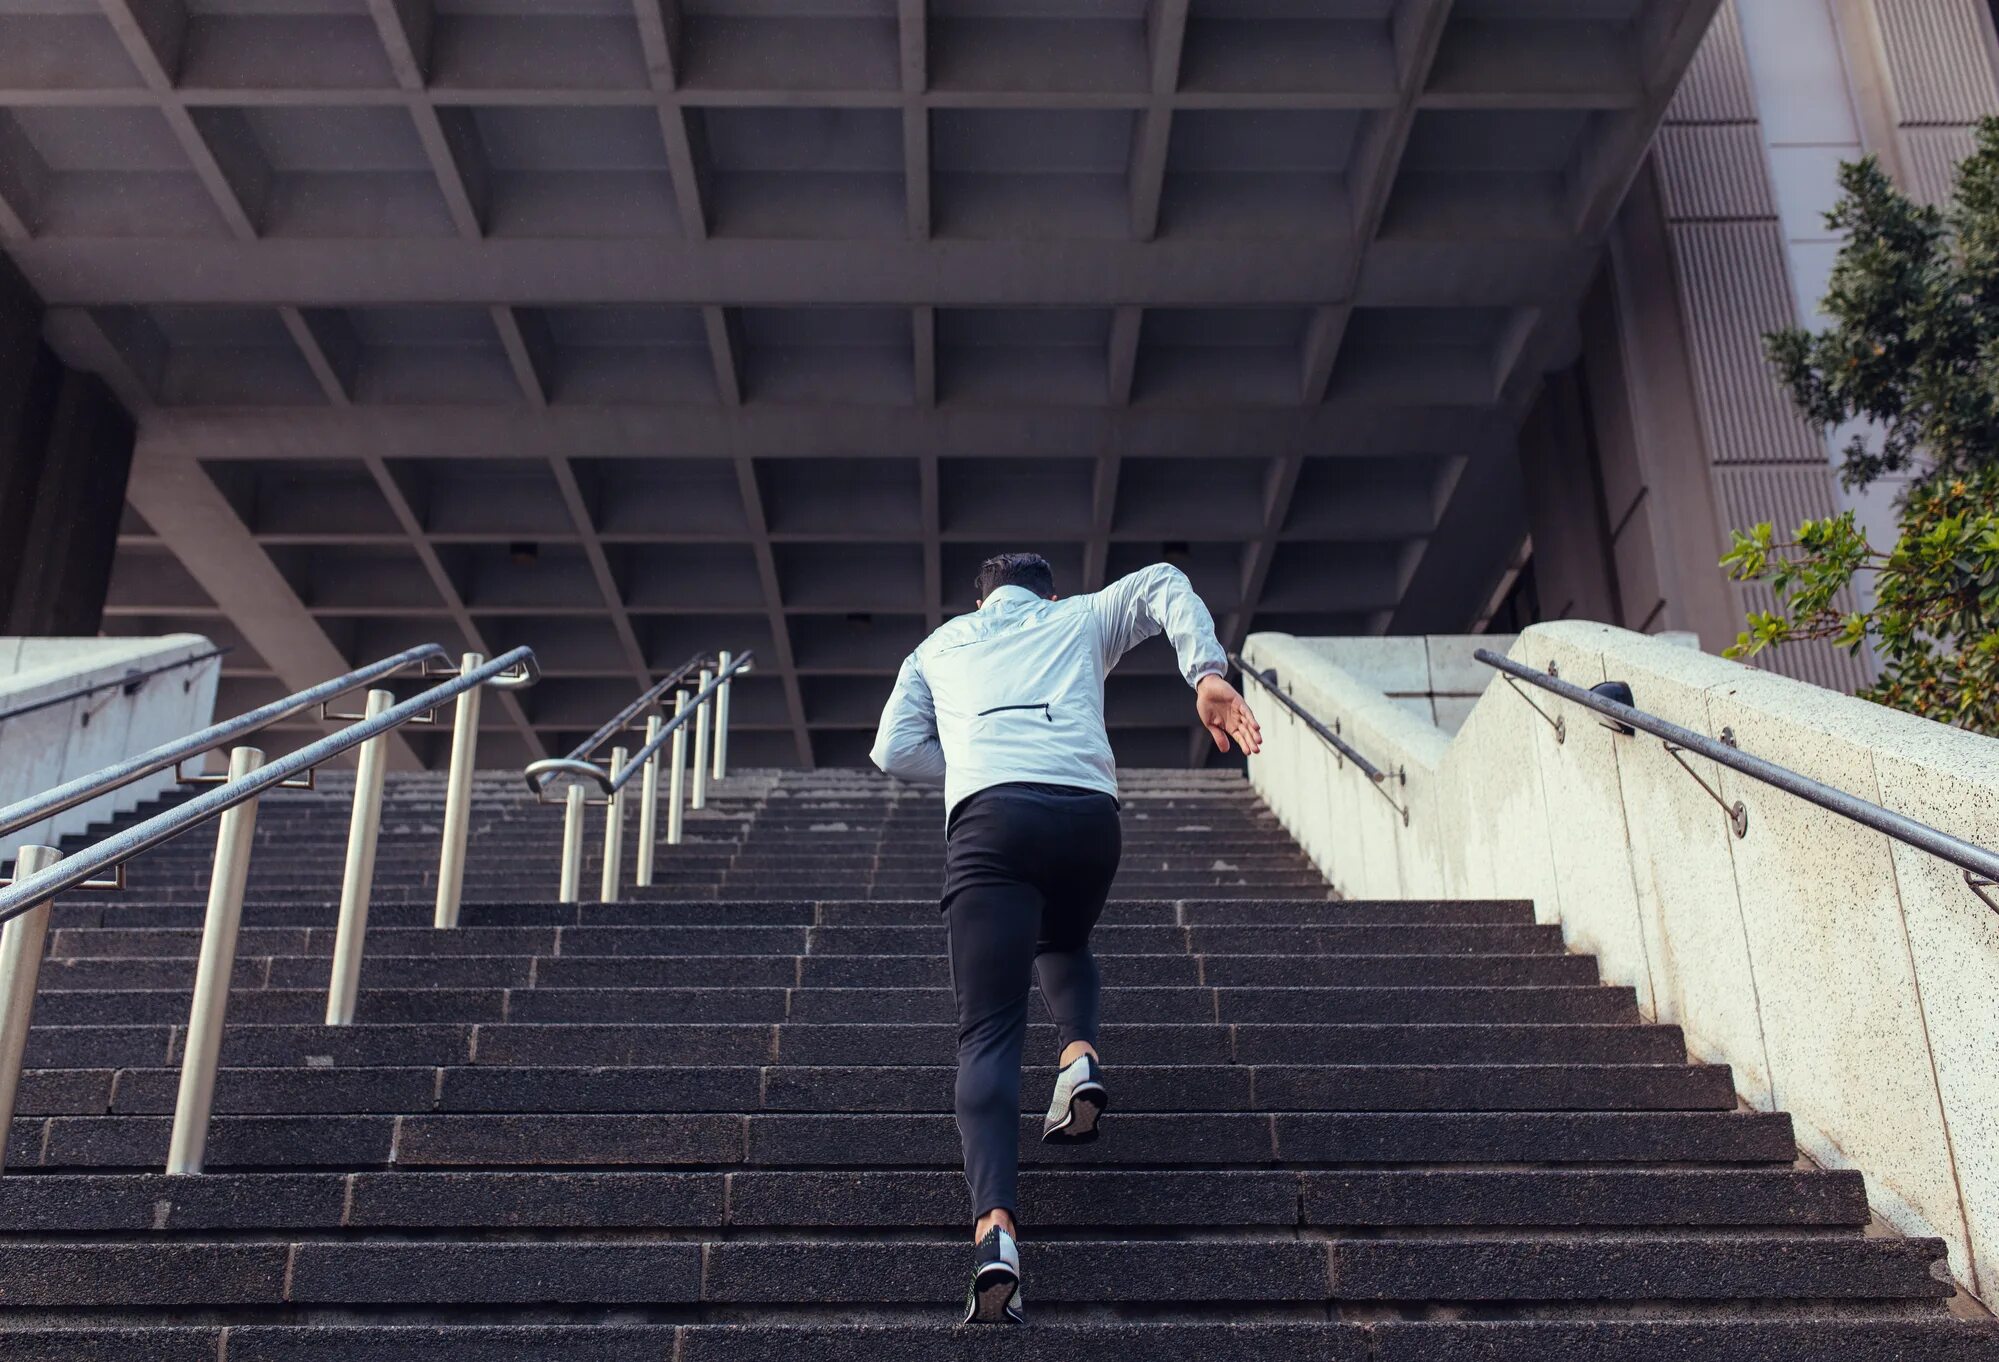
x=73, y=870
x=1980, y=866
x=83, y=789
x=647, y=699
x=577, y=763
x=667, y=729
x=44, y=873
x=1375, y=775
x=130, y=682
x=709, y=702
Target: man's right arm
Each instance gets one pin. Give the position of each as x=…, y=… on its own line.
x=906, y=744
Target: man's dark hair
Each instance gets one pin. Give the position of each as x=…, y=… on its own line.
x=1030, y=570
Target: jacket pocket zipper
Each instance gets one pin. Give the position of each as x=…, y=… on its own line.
x=1046, y=713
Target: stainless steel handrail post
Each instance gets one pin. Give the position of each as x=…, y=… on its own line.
x=698, y=791
x=573, y=805
x=358, y=883
x=614, y=833
x=235, y=831
x=721, y=768
x=677, y=784
x=458, y=797
x=21, y=944
x=649, y=809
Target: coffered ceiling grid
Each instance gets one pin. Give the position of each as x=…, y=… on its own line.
x=630, y=329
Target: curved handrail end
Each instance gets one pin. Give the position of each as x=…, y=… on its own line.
x=538, y=772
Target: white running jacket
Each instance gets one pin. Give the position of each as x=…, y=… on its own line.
x=1014, y=691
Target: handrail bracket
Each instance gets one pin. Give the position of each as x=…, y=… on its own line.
x=115, y=884
x=1979, y=885
x=309, y=780
x=1557, y=722
x=1738, y=815
x=1343, y=751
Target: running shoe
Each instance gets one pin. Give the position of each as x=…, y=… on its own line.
x=1080, y=1100
x=994, y=1296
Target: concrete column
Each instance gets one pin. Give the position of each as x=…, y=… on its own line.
x=1573, y=568
x=65, y=452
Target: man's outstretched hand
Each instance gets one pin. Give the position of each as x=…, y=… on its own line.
x=1225, y=714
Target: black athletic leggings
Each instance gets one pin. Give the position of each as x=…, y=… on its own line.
x=1026, y=871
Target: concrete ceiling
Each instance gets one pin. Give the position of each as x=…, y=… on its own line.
x=628, y=328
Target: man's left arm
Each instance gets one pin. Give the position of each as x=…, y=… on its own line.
x=1160, y=599
x=906, y=744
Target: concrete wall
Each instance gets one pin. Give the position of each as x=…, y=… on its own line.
x=1847, y=979
x=1432, y=676
x=47, y=747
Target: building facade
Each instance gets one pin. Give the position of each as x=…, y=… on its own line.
x=1670, y=423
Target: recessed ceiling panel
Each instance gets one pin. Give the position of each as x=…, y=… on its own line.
x=639, y=331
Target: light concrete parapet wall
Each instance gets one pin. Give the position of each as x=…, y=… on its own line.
x=1432, y=676
x=1846, y=978
x=51, y=744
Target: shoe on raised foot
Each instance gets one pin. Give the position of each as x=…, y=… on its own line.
x=1080, y=1099
x=994, y=1296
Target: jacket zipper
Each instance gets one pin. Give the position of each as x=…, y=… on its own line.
x=1002, y=709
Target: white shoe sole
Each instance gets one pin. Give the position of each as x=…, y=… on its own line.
x=1079, y=1125
x=992, y=1294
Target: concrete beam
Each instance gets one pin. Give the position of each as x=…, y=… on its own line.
x=405, y=27
x=330, y=350
x=923, y=338
x=524, y=337
x=447, y=590
x=24, y=179
x=577, y=503
x=1280, y=484
x=780, y=624
x=202, y=530
x=1330, y=430
x=153, y=33
x=1077, y=273
x=660, y=34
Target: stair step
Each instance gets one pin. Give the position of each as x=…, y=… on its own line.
x=1595, y=1003
x=1422, y=1137
x=774, y=1140
x=441, y=1043
x=923, y=912
x=926, y=940
x=805, y=971
x=1584, y=1267
x=876, y=1088
x=1051, y=1199
x=870, y=1340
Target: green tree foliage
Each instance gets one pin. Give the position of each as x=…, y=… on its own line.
x=1935, y=621
x=1912, y=359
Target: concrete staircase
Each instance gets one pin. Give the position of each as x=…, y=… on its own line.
x=711, y=1122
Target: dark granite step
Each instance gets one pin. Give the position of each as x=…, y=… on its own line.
x=870, y=1088
x=150, y=1204
x=1847, y=1338
x=774, y=1140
